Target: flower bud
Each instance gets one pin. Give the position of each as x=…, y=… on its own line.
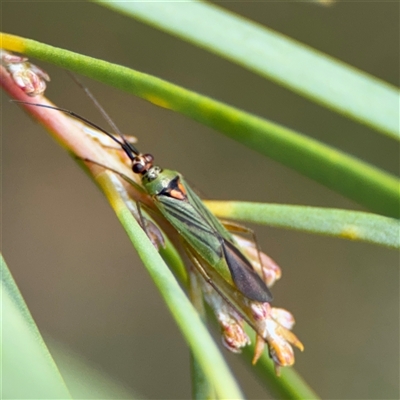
x=30, y=78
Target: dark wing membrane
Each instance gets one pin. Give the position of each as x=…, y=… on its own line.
x=245, y=278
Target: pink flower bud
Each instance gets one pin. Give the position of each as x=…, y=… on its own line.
x=30, y=78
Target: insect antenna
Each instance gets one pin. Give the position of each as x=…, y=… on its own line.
x=103, y=112
x=130, y=150
x=97, y=104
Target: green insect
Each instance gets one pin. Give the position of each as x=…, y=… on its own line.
x=197, y=225
x=211, y=247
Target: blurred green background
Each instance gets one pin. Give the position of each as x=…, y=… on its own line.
x=73, y=263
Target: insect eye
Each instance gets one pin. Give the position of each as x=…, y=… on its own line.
x=137, y=167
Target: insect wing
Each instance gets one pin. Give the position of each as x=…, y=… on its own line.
x=205, y=233
x=242, y=272
x=206, y=213
x=244, y=276
x=192, y=226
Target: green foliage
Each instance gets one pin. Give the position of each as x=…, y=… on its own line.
x=345, y=224
x=28, y=370
x=302, y=69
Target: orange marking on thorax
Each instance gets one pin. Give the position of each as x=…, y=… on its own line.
x=182, y=188
x=177, y=194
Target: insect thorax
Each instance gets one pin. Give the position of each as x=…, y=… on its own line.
x=156, y=179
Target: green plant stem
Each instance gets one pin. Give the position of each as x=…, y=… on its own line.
x=298, y=67
x=27, y=368
x=345, y=224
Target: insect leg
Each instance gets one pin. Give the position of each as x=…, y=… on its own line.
x=196, y=263
x=150, y=228
x=141, y=218
x=235, y=300
x=233, y=227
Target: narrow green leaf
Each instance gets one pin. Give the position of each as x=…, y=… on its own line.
x=189, y=322
x=27, y=369
x=349, y=176
x=289, y=63
x=345, y=224
x=202, y=389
